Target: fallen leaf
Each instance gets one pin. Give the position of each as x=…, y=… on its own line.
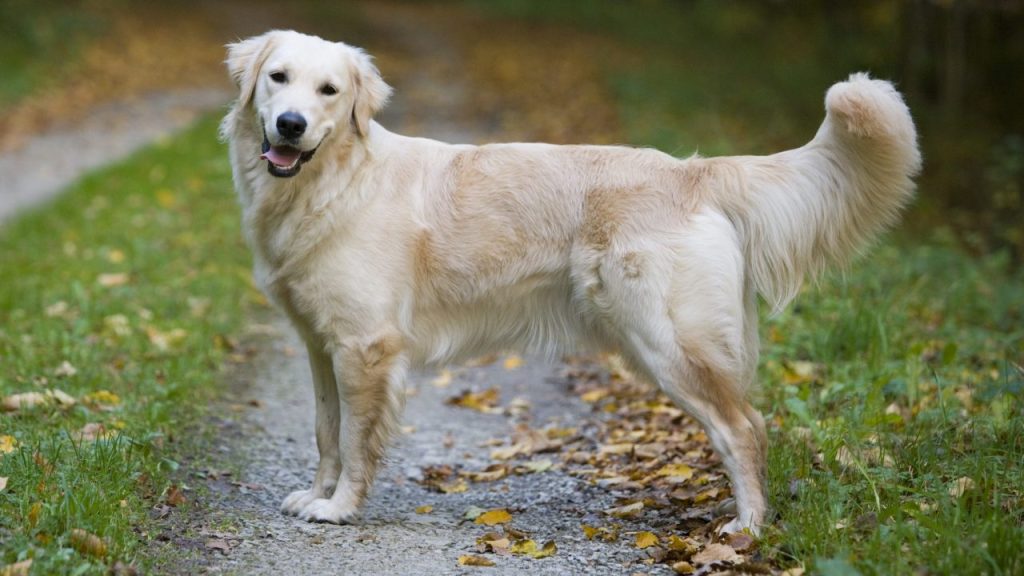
x=534, y=467
x=646, y=540
x=101, y=399
x=800, y=372
x=88, y=543
x=474, y=560
x=473, y=512
x=58, y=308
x=456, y=486
x=675, y=470
x=495, y=543
x=30, y=400
x=492, y=473
x=512, y=362
x=218, y=544
x=91, y=432
x=24, y=401
x=425, y=509
x=115, y=256
x=683, y=567
x=485, y=401
x=66, y=370
x=960, y=486
x=113, y=279
x=741, y=542
x=716, y=553
x=7, y=443
x=174, y=496
x=17, y=569
x=628, y=511
x=494, y=517
x=3, y=483
x=684, y=545
x=529, y=548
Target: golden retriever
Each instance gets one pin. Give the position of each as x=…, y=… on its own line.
x=388, y=252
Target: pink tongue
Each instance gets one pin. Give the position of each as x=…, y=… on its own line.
x=283, y=156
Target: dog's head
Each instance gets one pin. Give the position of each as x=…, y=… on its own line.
x=304, y=90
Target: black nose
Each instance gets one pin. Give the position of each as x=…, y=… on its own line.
x=291, y=125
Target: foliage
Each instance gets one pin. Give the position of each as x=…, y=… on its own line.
x=93, y=305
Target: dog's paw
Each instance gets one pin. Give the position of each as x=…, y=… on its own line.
x=295, y=502
x=735, y=525
x=326, y=510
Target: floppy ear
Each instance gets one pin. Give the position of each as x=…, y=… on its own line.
x=245, y=58
x=372, y=92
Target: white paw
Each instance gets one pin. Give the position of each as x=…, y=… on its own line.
x=296, y=501
x=735, y=525
x=326, y=510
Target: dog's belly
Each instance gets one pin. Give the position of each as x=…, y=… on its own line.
x=537, y=315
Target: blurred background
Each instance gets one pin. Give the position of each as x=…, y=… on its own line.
x=682, y=75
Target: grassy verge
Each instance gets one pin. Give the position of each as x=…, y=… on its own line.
x=123, y=296
x=894, y=391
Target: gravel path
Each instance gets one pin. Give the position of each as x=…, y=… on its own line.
x=46, y=164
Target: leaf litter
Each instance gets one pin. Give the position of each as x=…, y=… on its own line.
x=639, y=447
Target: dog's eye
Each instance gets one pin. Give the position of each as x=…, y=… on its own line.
x=279, y=77
x=328, y=90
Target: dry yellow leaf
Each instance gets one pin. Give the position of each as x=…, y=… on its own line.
x=88, y=543
x=456, y=486
x=716, y=553
x=112, y=279
x=680, y=470
x=628, y=511
x=512, y=362
x=683, y=567
x=686, y=545
x=115, y=256
x=474, y=560
x=494, y=517
x=425, y=509
x=646, y=539
x=166, y=198
x=102, y=398
x=595, y=395
x=960, y=486
x=7, y=443
x=483, y=401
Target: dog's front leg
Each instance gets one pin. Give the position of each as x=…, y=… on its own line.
x=328, y=423
x=371, y=377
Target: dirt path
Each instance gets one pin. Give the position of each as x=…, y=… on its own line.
x=392, y=537
x=45, y=164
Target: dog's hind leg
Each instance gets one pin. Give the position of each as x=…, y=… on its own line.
x=328, y=422
x=687, y=320
x=371, y=377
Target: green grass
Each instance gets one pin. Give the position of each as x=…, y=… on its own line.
x=915, y=381
x=168, y=220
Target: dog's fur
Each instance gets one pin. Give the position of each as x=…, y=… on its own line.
x=388, y=252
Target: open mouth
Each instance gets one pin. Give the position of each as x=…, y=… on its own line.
x=284, y=161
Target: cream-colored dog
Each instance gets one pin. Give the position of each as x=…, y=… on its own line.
x=388, y=252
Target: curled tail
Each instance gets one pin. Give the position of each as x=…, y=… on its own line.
x=798, y=210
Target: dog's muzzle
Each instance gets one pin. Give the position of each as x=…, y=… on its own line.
x=284, y=161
